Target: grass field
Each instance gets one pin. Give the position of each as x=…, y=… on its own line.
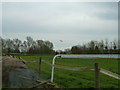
x=76, y=79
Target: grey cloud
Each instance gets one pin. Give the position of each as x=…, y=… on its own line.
x=73, y=20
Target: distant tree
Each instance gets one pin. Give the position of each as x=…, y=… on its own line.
x=29, y=41
x=92, y=47
x=17, y=44
x=106, y=46
x=24, y=46
x=101, y=46
x=75, y=50
x=48, y=44
x=115, y=44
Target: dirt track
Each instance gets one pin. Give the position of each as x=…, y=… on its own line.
x=9, y=64
x=16, y=74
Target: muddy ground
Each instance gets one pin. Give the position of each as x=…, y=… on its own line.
x=15, y=74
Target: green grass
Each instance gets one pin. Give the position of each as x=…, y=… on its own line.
x=108, y=64
x=76, y=79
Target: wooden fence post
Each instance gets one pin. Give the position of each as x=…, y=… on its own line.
x=13, y=56
x=97, y=78
x=39, y=65
x=19, y=57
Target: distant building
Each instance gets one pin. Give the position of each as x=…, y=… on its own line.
x=60, y=52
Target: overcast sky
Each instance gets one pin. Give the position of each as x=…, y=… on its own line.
x=73, y=23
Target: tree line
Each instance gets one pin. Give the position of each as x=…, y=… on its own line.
x=96, y=47
x=29, y=46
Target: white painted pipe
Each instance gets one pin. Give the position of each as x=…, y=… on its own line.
x=72, y=56
x=53, y=62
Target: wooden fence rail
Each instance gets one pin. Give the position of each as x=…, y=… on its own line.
x=37, y=61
